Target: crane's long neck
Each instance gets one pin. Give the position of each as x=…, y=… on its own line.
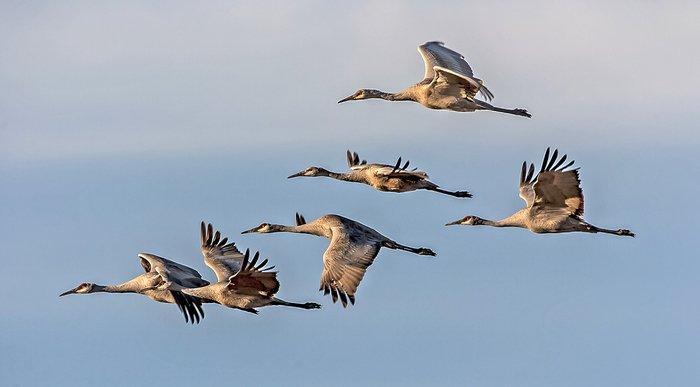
x=404, y=95
x=126, y=287
x=345, y=176
x=515, y=220
x=308, y=228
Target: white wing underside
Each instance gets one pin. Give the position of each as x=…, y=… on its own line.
x=224, y=264
x=436, y=54
x=448, y=66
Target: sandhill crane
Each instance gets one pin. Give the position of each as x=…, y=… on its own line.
x=554, y=201
x=352, y=249
x=383, y=177
x=448, y=83
x=242, y=282
x=162, y=281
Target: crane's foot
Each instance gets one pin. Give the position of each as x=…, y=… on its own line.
x=624, y=232
x=424, y=251
x=462, y=194
x=312, y=305
x=522, y=112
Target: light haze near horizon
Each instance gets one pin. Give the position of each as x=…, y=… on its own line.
x=122, y=125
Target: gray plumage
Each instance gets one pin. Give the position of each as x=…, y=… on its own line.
x=243, y=282
x=163, y=281
x=383, y=177
x=352, y=249
x=554, y=201
x=448, y=83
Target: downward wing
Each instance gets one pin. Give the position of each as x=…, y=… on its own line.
x=470, y=85
x=222, y=257
x=344, y=264
x=173, y=277
x=254, y=280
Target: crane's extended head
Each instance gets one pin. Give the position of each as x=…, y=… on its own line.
x=311, y=172
x=84, y=288
x=366, y=94
x=468, y=220
x=264, y=228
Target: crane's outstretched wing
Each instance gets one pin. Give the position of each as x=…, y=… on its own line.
x=344, y=264
x=399, y=171
x=254, y=279
x=437, y=57
x=436, y=54
x=222, y=257
x=385, y=170
x=471, y=86
x=172, y=277
x=554, y=187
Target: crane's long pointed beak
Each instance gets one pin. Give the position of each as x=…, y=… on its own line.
x=295, y=175
x=350, y=98
x=249, y=231
x=456, y=222
x=67, y=293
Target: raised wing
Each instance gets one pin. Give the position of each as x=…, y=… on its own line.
x=354, y=160
x=437, y=57
x=344, y=264
x=222, y=257
x=436, y=54
x=554, y=187
x=526, y=181
x=254, y=279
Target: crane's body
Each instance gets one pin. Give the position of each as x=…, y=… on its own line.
x=448, y=84
x=352, y=249
x=554, y=202
x=242, y=283
x=162, y=281
x=383, y=177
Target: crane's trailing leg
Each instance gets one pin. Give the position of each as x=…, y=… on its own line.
x=619, y=231
x=518, y=112
x=457, y=194
x=306, y=305
x=420, y=250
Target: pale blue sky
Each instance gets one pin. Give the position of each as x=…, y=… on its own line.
x=122, y=125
